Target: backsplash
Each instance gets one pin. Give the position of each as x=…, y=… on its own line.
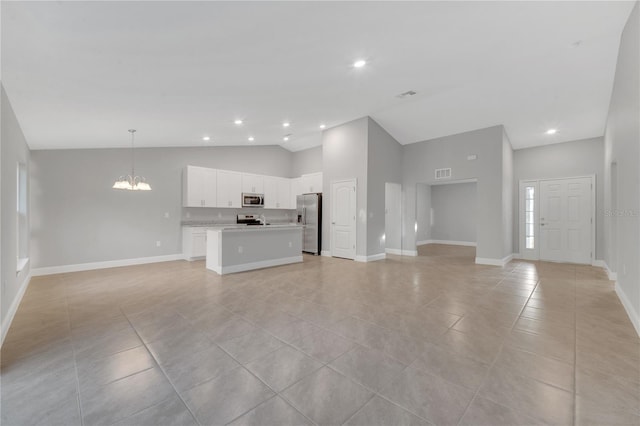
x=228, y=216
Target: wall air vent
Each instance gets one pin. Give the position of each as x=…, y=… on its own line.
x=443, y=173
x=407, y=94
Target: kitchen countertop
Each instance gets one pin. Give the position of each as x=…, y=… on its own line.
x=245, y=228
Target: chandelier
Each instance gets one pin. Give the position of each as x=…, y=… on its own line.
x=132, y=182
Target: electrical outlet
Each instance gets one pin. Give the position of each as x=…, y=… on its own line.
x=166, y=215
x=240, y=249
x=219, y=215
x=158, y=243
x=624, y=269
x=290, y=244
x=188, y=215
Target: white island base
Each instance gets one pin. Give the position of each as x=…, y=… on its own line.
x=232, y=249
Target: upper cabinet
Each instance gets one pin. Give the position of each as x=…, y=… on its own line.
x=252, y=184
x=284, y=194
x=277, y=193
x=296, y=189
x=199, y=187
x=311, y=183
x=204, y=187
x=229, y=189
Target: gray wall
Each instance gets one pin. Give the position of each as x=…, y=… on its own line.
x=577, y=158
x=384, y=165
x=421, y=159
x=454, y=212
x=507, y=196
x=622, y=141
x=13, y=149
x=344, y=156
x=74, y=207
x=307, y=161
x=423, y=212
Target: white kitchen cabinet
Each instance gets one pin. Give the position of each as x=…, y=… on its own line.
x=296, y=189
x=270, y=192
x=253, y=184
x=284, y=194
x=312, y=183
x=229, y=189
x=194, y=242
x=199, y=187
x=277, y=193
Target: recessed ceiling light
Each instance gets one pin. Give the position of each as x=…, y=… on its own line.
x=552, y=131
x=359, y=63
x=322, y=126
x=251, y=139
x=237, y=122
x=286, y=124
x=206, y=138
x=286, y=138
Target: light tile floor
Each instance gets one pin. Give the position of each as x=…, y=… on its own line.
x=433, y=339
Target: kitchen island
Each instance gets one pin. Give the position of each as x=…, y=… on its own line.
x=237, y=249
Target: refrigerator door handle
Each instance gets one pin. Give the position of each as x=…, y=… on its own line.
x=304, y=215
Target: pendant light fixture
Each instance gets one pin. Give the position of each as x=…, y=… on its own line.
x=132, y=182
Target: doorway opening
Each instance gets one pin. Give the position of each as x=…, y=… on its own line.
x=393, y=218
x=446, y=219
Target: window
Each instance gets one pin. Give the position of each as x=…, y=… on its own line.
x=21, y=217
x=529, y=217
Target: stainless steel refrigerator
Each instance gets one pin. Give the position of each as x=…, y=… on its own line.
x=309, y=208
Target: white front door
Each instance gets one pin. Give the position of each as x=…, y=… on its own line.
x=343, y=219
x=566, y=220
x=393, y=216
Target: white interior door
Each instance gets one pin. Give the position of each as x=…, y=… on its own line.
x=393, y=216
x=343, y=219
x=566, y=220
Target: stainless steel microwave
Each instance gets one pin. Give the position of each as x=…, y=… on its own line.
x=252, y=200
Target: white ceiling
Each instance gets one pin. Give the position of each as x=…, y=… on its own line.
x=79, y=74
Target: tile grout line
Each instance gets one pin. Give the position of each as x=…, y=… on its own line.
x=575, y=347
x=276, y=393
x=161, y=369
x=75, y=362
x=495, y=358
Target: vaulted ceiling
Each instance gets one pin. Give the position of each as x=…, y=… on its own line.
x=79, y=74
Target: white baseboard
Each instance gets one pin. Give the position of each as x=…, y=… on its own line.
x=448, y=242
x=517, y=256
x=422, y=242
x=372, y=258
x=11, y=313
x=325, y=253
x=102, y=265
x=494, y=262
x=603, y=264
x=256, y=265
x=400, y=252
x=628, y=306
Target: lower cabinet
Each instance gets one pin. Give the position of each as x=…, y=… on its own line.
x=194, y=242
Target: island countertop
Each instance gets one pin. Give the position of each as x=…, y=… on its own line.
x=245, y=228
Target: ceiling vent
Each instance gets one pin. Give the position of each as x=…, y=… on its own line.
x=443, y=173
x=407, y=94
